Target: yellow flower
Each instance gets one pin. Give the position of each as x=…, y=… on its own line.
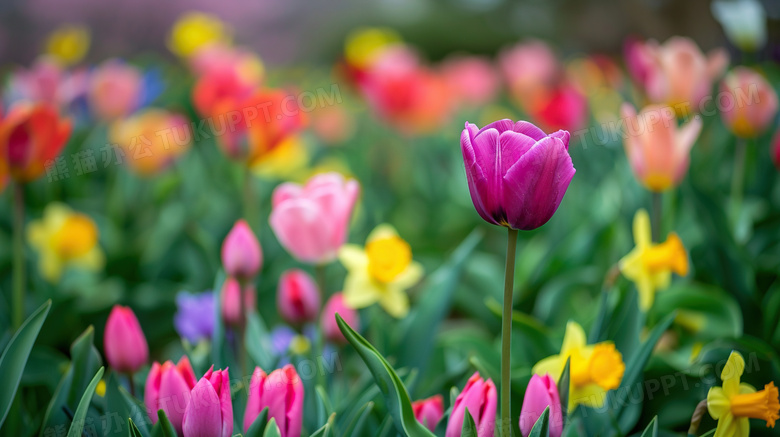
x=650, y=265
x=64, y=237
x=735, y=403
x=300, y=345
x=195, y=30
x=284, y=161
x=100, y=390
x=68, y=44
x=593, y=369
x=364, y=44
x=380, y=272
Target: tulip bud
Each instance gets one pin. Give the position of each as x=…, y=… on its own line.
x=210, y=409
x=231, y=303
x=429, y=411
x=753, y=104
x=298, y=298
x=168, y=388
x=311, y=222
x=333, y=306
x=540, y=394
x=517, y=174
x=282, y=393
x=124, y=342
x=242, y=256
x=481, y=398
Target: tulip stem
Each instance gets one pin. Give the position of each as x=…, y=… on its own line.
x=506, y=334
x=738, y=177
x=18, y=253
x=655, y=226
x=131, y=383
x=248, y=198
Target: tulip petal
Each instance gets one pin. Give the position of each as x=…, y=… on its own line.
x=513, y=146
x=500, y=126
x=477, y=179
x=203, y=415
x=536, y=184
x=529, y=129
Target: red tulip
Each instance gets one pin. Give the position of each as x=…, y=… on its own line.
x=298, y=297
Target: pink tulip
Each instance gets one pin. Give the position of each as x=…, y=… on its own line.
x=282, y=393
x=429, y=411
x=657, y=149
x=115, y=89
x=210, y=410
x=311, y=221
x=753, y=104
x=472, y=79
x=335, y=305
x=639, y=58
x=168, y=388
x=680, y=73
x=46, y=82
x=231, y=303
x=298, y=298
x=481, y=398
x=540, y=394
x=528, y=68
x=776, y=150
x=124, y=342
x=242, y=256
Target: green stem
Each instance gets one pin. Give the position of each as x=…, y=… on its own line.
x=241, y=354
x=248, y=198
x=319, y=341
x=506, y=335
x=657, y=216
x=738, y=177
x=18, y=252
x=131, y=383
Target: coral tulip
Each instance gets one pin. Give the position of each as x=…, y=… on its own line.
x=311, y=221
x=753, y=106
x=168, y=388
x=657, y=149
x=517, y=174
x=124, y=341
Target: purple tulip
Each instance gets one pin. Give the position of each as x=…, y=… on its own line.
x=517, y=174
x=540, y=394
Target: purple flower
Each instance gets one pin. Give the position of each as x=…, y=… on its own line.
x=281, y=337
x=517, y=174
x=194, y=319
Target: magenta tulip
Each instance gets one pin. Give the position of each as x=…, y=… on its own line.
x=481, y=399
x=517, y=174
x=124, y=341
x=298, y=298
x=429, y=411
x=540, y=394
x=210, y=410
x=282, y=393
x=335, y=305
x=311, y=222
x=242, y=256
x=168, y=388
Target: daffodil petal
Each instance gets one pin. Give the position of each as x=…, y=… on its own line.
x=382, y=231
x=717, y=403
x=409, y=277
x=727, y=426
x=51, y=266
x=592, y=395
x=731, y=374
x=360, y=291
x=574, y=338
x=353, y=257
x=745, y=389
x=642, y=234
x=92, y=260
x=742, y=427
x=395, y=302
x=551, y=365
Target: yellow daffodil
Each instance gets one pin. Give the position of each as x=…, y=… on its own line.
x=62, y=238
x=380, y=272
x=195, y=30
x=363, y=45
x=68, y=44
x=650, y=265
x=593, y=369
x=734, y=403
x=285, y=161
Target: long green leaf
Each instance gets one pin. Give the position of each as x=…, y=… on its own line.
x=563, y=388
x=163, y=427
x=272, y=429
x=218, y=336
x=81, y=412
x=257, y=428
x=390, y=385
x=15, y=356
x=469, y=428
x=361, y=417
x=652, y=428
x=132, y=429
x=541, y=427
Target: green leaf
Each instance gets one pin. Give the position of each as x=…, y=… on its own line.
x=420, y=328
x=15, y=356
x=652, y=428
x=122, y=404
x=327, y=429
x=218, y=337
x=132, y=429
x=164, y=425
x=361, y=417
x=272, y=429
x=469, y=428
x=324, y=406
x=390, y=385
x=257, y=427
x=81, y=412
x=541, y=427
x=563, y=388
